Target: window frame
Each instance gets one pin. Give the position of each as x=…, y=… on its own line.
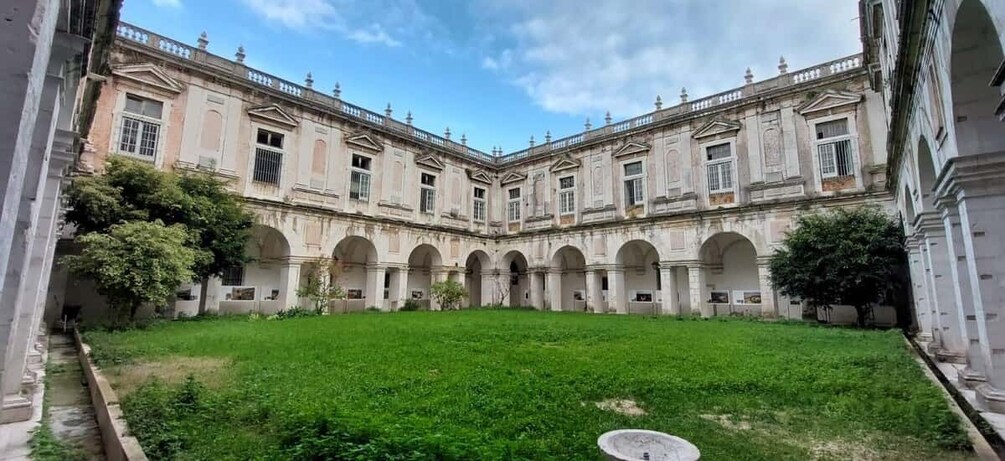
x=850, y=137
x=640, y=178
x=361, y=173
x=427, y=189
x=728, y=163
x=259, y=148
x=513, y=209
x=142, y=122
x=564, y=193
x=228, y=276
x=479, y=205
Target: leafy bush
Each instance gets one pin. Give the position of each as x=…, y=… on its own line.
x=448, y=294
x=295, y=312
x=410, y=305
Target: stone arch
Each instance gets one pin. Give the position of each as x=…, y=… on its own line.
x=478, y=268
x=927, y=173
x=261, y=285
x=731, y=274
x=353, y=256
x=567, y=284
x=976, y=54
x=634, y=284
x=514, y=281
x=425, y=267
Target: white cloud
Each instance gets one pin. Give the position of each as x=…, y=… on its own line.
x=167, y=3
x=578, y=57
x=384, y=22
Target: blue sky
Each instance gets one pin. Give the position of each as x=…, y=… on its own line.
x=500, y=71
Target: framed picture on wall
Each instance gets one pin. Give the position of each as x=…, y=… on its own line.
x=418, y=294
x=242, y=294
x=354, y=293
x=579, y=295
x=643, y=296
x=752, y=297
x=718, y=297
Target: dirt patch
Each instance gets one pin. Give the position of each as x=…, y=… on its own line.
x=843, y=449
x=729, y=422
x=172, y=370
x=621, y=406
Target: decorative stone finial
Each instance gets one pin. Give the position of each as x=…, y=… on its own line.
x=337, y=92
x=547, y=137
x=309, y=81
x=658, y=103
x=240, y=54
x=587, y=125
x=446, y=133
x=783, y=67
x=464, y=139
x=387, y=112
x=607, y=118
x=408, y=118
x=748, y=76
x=683, y=95
x=203, y=41
x=531, y=140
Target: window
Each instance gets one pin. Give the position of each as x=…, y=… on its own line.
x=513, y=206
x=141, y=126
x=634, y=193
x=719, y=162
x=359, y=178
x=834, y=147
x=478, y=207
x=233, y=276
x=268, y=158
x=567, y=195
x=427, y=193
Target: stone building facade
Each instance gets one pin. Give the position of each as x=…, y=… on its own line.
x=49, y=46
x=940, y=68
x=674, y=211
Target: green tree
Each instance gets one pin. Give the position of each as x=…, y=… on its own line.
x=218, y=226
x=845, y=256
x=135, y=263
x=448, y=293
x=321, y=286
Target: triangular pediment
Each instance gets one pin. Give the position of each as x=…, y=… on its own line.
x=365, y=141
x=512, y=177
x=631, y=148
x=272, y=113
x=429, y=161
x=479, y=176
x=150, y=75
x=828, y=100
x=565, y=162
x=715, y=127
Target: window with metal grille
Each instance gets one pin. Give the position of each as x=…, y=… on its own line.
x=427, y=193
x=268, y=166
x=834, y=149
x=359, y=178
x=634, y=189
x=567, y=195
x=513, y=206
x=719, y=165
x=233, y=276
x=141, y=126
x=478, y=206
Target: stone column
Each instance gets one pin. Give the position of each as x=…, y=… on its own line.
x=696, y=283
x=953, y=338
x=375, y=286
x=616, y=290
x=399, y=286
x=594, y=294
x=974, y=373
x=488, y=279
x=930, y=299
x=668, y=288
x=536, y=289
x=215, y=284
x=289, y=282
x=918, y=291
x=769, y=305
x=554, y=287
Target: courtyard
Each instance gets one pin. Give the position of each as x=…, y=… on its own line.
x=509, y=384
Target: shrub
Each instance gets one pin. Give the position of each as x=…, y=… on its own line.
x=448, y=293
x=410, y=305
x=296, y=312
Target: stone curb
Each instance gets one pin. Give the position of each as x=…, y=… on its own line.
x=118, y=445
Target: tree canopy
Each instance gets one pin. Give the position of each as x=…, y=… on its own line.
x=216, y=225
x=845, y=256
x=448, y=293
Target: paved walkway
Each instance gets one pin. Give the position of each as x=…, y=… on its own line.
x=71, y=415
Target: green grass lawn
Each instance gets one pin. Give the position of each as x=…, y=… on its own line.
x=520, y=385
